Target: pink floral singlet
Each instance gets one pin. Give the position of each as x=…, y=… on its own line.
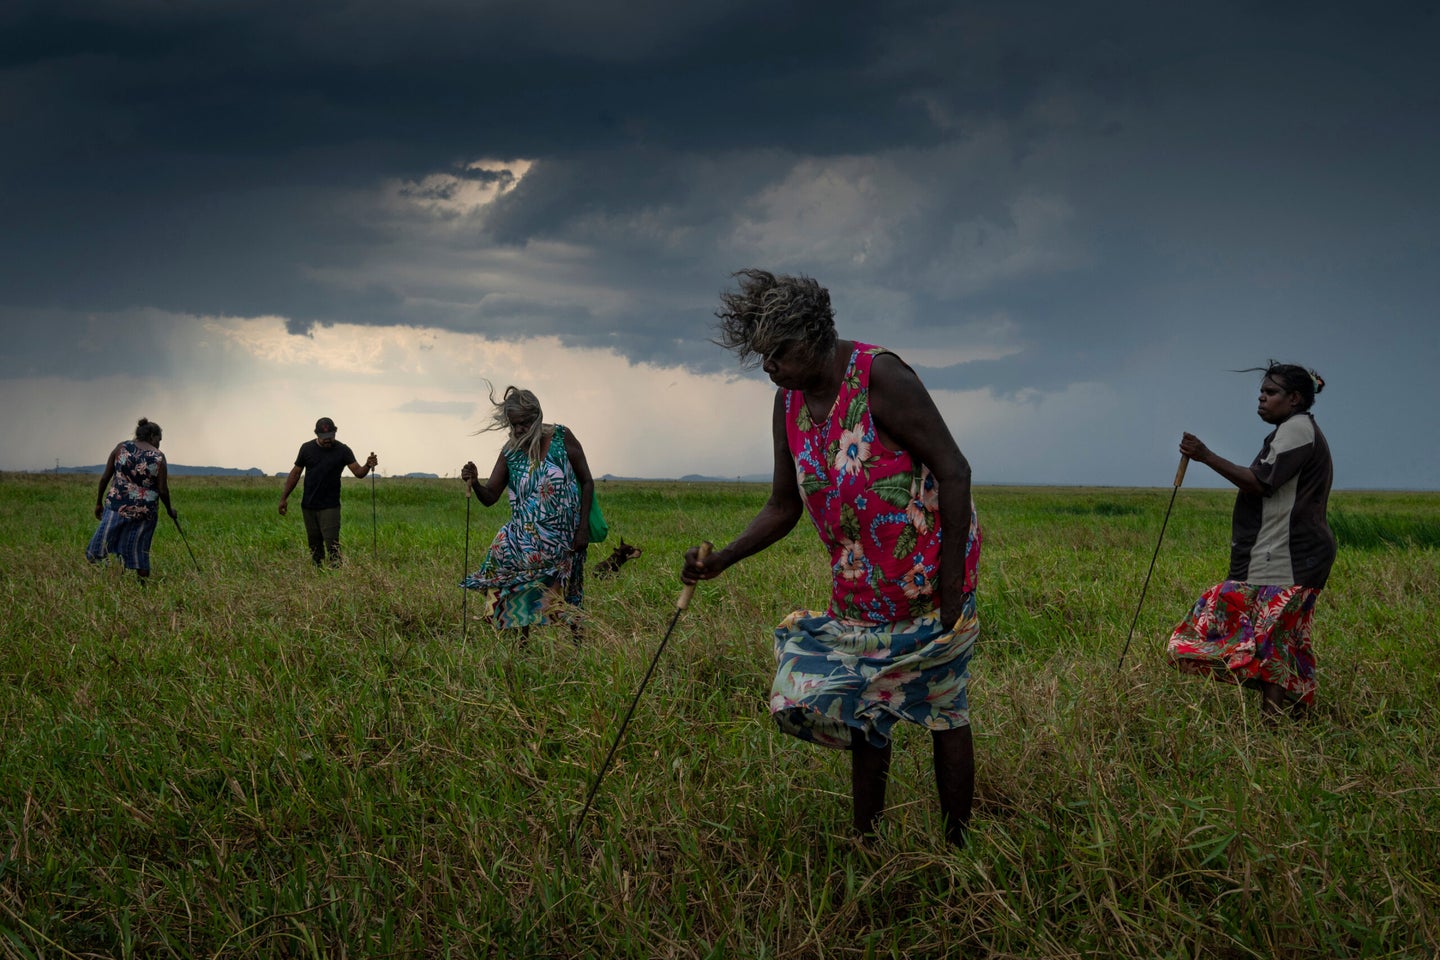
x=875, y=509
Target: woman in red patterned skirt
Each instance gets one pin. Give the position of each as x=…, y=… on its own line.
x=1254, y=627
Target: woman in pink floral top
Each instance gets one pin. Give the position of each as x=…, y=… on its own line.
x=861, y=448
x=133, y=486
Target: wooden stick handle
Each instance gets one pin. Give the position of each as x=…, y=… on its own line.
x=705, y=547
x=1180, y=472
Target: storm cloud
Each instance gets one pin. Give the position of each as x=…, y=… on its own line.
x=1022, y=198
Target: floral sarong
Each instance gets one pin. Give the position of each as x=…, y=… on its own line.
x=836, y=675
x=1242, y=631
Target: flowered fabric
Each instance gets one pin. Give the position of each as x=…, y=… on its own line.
x=835, y=676
x=877, y=513
x=131, y=508
x=532, y=575
x=879, y=654
x=1242, y=631
x=135, y=487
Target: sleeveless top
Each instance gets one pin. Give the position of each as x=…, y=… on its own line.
x=545, y=496
x=537, y=542
x=135, y=487
x=876, y=509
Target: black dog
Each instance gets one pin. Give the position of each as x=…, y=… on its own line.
x=620, y=556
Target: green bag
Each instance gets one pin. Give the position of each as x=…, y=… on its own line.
x=599, y=529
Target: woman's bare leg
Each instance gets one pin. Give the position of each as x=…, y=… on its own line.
x=1272, y=701
x=869, y=773
x=954, y=752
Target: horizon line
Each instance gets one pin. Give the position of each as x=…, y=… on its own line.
x=752, y=478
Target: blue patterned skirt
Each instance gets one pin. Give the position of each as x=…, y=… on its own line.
x=126, y=537
x=834, y=676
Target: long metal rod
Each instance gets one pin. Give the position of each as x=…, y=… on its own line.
x=186, y=540
x=1179, y=479
x=680, y=605
x=465, y=603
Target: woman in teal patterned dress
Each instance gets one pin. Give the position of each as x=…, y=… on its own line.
x=534, y=571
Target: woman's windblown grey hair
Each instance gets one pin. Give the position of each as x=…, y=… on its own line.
x=523, y=405
x=768, y=309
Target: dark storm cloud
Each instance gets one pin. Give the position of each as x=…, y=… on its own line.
x=63, y=344
x=1090, y=178
x=195, y=157
x=417, y=80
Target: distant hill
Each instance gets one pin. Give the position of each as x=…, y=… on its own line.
x=747, y=478
x=179, y=470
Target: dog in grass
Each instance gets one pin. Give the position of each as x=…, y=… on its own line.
x=620, y=556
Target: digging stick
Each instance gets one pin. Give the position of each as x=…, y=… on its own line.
x=680, y=605
x=186, y=540
x=1179, y=479
x=465, y=603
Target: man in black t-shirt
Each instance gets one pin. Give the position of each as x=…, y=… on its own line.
x=322, y=460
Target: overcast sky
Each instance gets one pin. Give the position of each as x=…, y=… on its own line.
x=1074, y=220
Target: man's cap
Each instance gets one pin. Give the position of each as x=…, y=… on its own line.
x=325, y=428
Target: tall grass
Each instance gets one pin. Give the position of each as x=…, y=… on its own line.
x=266, y=760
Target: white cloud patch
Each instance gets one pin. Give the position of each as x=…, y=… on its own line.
x=842, y=211
x=947, y=222
x=476, y=186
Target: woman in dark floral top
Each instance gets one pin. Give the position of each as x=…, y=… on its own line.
x=127, y=503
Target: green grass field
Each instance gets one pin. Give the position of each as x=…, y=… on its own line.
x=260, y=759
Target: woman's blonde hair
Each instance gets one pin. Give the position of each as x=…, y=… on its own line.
x=521, y=404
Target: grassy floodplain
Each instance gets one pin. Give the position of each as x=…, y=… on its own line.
x=263, y=760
